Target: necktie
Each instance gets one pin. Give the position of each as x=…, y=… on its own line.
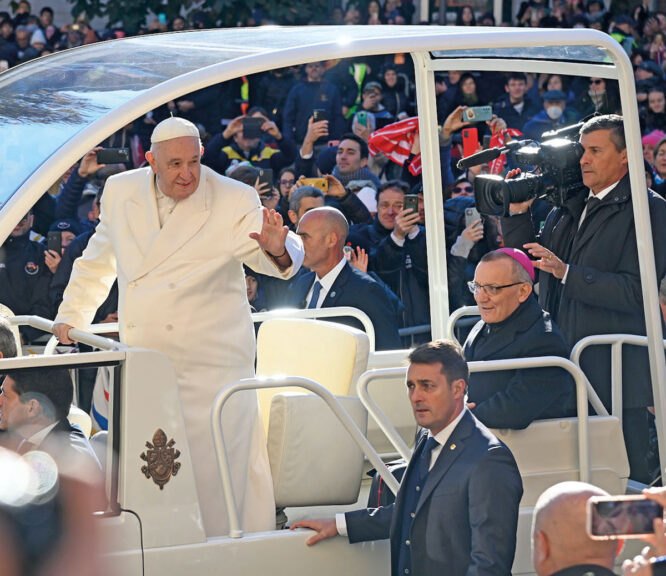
x=315, y=295
x=590, y=203
x=424, y=461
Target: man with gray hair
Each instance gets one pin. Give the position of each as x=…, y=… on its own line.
x=560, y=543
x=304, y=199
x=7, y=340
x=176, y=235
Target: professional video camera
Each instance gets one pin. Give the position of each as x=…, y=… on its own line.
x=557, y=160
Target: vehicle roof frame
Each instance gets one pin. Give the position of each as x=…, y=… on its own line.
x=420, y=45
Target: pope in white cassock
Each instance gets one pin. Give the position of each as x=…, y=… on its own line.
x=176, y=235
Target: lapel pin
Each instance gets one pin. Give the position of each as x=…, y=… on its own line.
x=332, y=294
x=452, y=447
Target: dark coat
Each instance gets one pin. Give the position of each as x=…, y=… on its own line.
x=302, y=100
x=403, y=268
x=514, y=398
x=505, y=110
x=356, y=289
x=25, y=280
x=67, y=440
x=466, y=519
x=602, y=294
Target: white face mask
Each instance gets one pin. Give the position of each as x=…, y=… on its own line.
x=597, y=96
x=554, y=112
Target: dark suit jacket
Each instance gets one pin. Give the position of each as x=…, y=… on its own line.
x=513, y=398
x=356, y=289
x=467, y=515
x=67, y=441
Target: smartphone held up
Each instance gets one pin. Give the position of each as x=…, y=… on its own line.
x=621, y=517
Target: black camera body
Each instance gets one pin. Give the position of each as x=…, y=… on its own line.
x=557, y=159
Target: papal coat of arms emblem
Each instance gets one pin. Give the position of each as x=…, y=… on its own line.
x=160, y=459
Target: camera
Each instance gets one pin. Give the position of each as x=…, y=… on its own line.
x=557, y=160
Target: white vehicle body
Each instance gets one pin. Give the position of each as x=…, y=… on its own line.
x=53, y=110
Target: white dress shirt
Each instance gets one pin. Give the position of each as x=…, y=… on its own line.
x=326, y=283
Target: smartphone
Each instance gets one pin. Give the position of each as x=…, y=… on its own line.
x=411, y=203
x=266, y=177
x=486, y=141
x=470, y=138
x=477, y=114
x=113, y=156
x=318, y=114
x=252, y=127
x=54, y=241
x=362, y=118
x=471, y=215
x=347, y=252
x=621, y=517
x=161, y=18
x=320, y=183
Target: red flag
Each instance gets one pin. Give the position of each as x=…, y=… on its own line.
x=395, y=142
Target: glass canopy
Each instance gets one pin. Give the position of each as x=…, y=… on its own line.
x=45, y=103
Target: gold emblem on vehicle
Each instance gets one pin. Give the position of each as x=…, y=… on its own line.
x=160, y=459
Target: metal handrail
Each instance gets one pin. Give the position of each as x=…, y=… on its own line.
x=235, y=530
x=457, y=315
x=592, y=395
x=314, y=313
x=489, y=366
x=616, y=341
x=106, y=328
x=75, y=334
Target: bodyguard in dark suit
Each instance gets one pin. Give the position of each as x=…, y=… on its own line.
x=35, y=403
x=456, y=512
x=513, y=325
x=333, y=282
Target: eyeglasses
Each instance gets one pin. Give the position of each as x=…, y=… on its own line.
x=462, y=189
x=287, y=182
x=489, y=289
x=598, y=81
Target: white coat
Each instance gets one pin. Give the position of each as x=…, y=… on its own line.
x=182, y=292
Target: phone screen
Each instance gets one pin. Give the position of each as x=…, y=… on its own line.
x=624, y=517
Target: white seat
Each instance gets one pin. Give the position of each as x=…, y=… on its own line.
x=558, y=438
x=547, y=453
x=333, y=355
x=314, y=461
x=81, y=419
x=7, y=313
x=98, y=442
